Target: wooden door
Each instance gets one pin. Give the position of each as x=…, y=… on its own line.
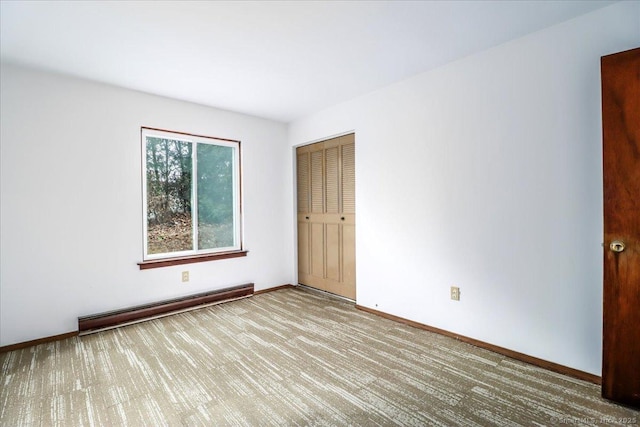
x=621, y=155
x=326, y=215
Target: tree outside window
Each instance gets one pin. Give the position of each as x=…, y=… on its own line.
x=192, y=194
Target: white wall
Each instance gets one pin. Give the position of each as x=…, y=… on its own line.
x=71, y=202
x=486, y=174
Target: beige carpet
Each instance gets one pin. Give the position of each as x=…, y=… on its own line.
x=290, y=357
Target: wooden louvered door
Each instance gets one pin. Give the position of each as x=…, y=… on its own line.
x=326, y=215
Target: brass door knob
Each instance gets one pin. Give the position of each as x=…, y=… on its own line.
x=617, y=246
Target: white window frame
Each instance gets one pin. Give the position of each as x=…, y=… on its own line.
x=237, y=191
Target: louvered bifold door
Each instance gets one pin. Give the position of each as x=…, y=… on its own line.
x=332, y=226
x=326, y=215
x=349, y=215
x=304, y=203
x=311, y=240
x=316, y=218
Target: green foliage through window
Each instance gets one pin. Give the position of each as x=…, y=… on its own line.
x=183, y=214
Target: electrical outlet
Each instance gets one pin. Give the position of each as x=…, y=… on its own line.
x=185, y=276
x=455, y=293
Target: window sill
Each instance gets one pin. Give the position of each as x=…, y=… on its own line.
x=167, y=262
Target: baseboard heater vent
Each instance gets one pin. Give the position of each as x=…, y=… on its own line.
x=141, y=313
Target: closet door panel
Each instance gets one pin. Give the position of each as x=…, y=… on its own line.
x=304, y=196
x=332, y=180
x=317, y=250
x=349, y=257
x=348, y=178
x=333, y=252
x=317, y=182
x=303, y=249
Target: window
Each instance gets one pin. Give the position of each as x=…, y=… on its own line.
x=191, y=191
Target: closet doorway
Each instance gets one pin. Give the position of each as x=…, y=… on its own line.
x=326, y=215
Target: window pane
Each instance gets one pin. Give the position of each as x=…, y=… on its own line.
x=215, y=196
x=169, y=224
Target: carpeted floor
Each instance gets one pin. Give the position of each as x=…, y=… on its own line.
x=289, y=357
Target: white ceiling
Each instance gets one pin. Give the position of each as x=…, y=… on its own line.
x=275, y=59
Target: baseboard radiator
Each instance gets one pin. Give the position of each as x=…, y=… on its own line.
x=113, y=319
